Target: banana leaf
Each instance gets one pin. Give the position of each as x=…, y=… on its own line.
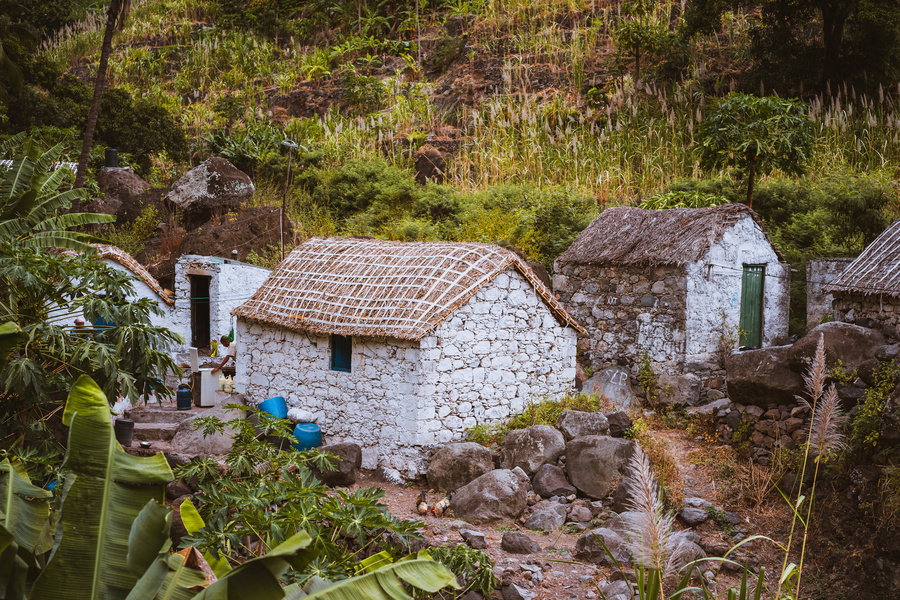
x=103, y=493
x=385, y=584
x=25, y=506
x=193, y=523
x=13, y=568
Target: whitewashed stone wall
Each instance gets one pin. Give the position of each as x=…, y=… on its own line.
x=819, y=273
x=714, y=291
x=492, y=356
x=231, y=284
x=499, y=350
x=142, y=290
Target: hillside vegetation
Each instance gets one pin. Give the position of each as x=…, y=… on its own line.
x=537, y=114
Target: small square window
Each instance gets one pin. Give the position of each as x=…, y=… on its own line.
x=341, y=349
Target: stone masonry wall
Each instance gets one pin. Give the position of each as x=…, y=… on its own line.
x=498, y=351
x=231, y=284
x=627, y=311
x=820, y=272
x=878, y=312
x=374, y=405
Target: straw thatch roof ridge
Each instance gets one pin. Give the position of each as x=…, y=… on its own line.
x=374, y=288
x=126, y=260
x=876, y=270
x=636, y=236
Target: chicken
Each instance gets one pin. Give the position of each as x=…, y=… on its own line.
x=422, y=504
x=442, y=505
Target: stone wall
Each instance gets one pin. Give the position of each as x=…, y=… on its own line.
x=499, y=350
x=876, y=311
x=627, y=311
x=820, y=272
x=231, y=284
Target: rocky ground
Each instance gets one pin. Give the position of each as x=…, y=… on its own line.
x=556, y=572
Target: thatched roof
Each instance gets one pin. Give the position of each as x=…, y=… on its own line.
x=366, y=287
x=876, y=270
x=637, y=236
x=115, y=253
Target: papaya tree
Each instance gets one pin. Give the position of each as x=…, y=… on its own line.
x=756, y=135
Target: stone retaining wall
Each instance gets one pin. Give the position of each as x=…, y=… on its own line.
x=877, y=312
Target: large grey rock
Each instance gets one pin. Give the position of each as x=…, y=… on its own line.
x=596, y=464
x=679, y=390
x=618, y=590
x=495, y=496
x=619, y=423
x=532, y=447
x=346, y=469
x=193, y=442
x=125, y=193
x=622, y=523
x=576, y=423
x=213, y=188
x=547, y=516
x=475, y=539
x=550, y=480
x=614, y=383
x=457, y=464
x=579, y=514
x=514, y=592
x=773, y=376
x=763, y=377
x=692, y=516
x=518, y=543
x=686, y=552
x=589, y=548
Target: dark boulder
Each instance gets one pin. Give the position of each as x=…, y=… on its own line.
x=763, y=377
x=576, y=423
x=493, y=497
x=619, y=422
x=345, y=471
x=532, y=447
x=518, y=543
x=213, y=188
x=457, y=464
x=589, y=548
x=550, y=480
x=430, y=164
x=597, y=464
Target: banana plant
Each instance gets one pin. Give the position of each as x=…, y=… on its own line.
x=103, y=492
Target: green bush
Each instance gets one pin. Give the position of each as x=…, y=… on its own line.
x=365, y=94
x=366, y=185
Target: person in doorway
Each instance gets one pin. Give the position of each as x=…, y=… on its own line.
x=230, y=353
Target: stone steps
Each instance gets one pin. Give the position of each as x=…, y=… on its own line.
x=160, y=414
x=153, y=432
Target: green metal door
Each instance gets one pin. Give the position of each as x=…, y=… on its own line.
x=752, y=285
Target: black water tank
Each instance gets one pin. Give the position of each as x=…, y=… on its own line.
x=111, y=158
x=183, y=397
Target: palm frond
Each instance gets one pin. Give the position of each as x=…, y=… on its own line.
x=12, y=143
x=75, y=220
x=16, y=179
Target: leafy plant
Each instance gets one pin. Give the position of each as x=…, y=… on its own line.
x=865, y=424
x=268, y=495
x=131, y=238
x=473, y=567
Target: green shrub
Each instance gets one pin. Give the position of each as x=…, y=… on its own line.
x=366, y=185
x=365, y=94
x=131, y=238
x=864, y=426
x=473, y=567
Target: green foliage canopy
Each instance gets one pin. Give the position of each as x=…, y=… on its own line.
x=756, y=135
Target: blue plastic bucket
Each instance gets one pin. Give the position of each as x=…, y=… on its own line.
x=276, y=407
x=308, y=436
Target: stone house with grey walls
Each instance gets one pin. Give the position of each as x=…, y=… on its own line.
x=867, y=292
x=207, y=289
x=400, y=347
x=682, y=285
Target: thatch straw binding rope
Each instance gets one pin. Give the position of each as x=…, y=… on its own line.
x=372, y=288
x=636, y=236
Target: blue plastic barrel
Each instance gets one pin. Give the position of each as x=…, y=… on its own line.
x=276, y=407
x=183, y=397
x=308, y=436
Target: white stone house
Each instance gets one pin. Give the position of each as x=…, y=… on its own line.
x=207, y=289
x=677, y=284
x=145, y=286
x=401, y=346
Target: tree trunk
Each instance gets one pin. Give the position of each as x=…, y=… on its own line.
x=750, y=178
x=637, y=64
x=834, y=15
x=111, y=16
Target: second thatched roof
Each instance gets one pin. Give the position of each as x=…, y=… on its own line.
x=876, y=270
x=637, y=236
x=372, y=288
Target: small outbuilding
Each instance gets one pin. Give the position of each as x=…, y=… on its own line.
x=401, y=346
x=867, y=292
x=207, y=289
x=682, y=285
